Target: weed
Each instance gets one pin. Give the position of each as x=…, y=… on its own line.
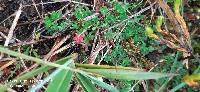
x=53, y=23
x=119, y=55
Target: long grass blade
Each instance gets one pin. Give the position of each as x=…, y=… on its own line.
x=58, y=77
x=127, y=74
x=37, y=60
x=86, y=84
x=102, y=84
x=33, y=73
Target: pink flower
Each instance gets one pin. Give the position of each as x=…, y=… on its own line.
x=78, y=38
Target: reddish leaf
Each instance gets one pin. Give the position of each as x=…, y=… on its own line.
x=78, y=38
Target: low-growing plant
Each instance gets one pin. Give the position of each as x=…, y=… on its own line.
x=54, y=22
x=118, y=56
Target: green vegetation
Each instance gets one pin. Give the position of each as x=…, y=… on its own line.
x=53, y=23
x=117, y=46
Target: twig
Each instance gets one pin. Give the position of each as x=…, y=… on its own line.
x=7, y=64
x=56, y=46
x=2, y=35
x=21, y=60
x=25, y=71
x=152, y=10
x=10, y=34
x=95, y=40
x=144, y=86
x=36, y=8
x=59, y=1
x=94, y=53
x=7, y=18
x=61, y=49
x=27, y=43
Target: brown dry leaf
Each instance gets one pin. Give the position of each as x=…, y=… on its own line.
x=179, y=26
x=170, y=14
x=183, y=26
x=3, y=29
x=7, y=64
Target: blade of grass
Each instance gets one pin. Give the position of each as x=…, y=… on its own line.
x=178, y=87
x=30, y=74
x=61, y=82
x=58, y=77
x=102, y=84
x=92, y=66
x=127, y=74
x=86, y=84
x=37, y=60
x=174, y=67
x=33, y=73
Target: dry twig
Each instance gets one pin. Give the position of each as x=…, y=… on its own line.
x=10, y=34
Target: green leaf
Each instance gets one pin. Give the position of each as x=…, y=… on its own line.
x=75, y=25
x=61, y=82
x=145, y=49
x=149, y=31
x=62, y=25
x=102, y=84
x=127, y=74
x=95, y=20
x=177, y=4
x=126, y=61
x=127, y=6
x=109, y=34
x=88, y=37
x=57, y=77
x=104, y=10
x=51, y=22
x=183, y=84
x=110, y=18
x=174, y=67
x=81, y=12
x=159, y=21
x=78, y=13
x=87, y=12
x=80, y=31
x=123, y=16
x=104, y=25
x=119, y=8
x=86, y=24
x=86, y=84
x=33, y=72
x=89, y=66
x=54, y=27
x=47, y=22
x=55, y=15
x=175, y=89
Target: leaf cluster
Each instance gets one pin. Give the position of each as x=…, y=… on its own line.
x=53, y=23
x=118, y=56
